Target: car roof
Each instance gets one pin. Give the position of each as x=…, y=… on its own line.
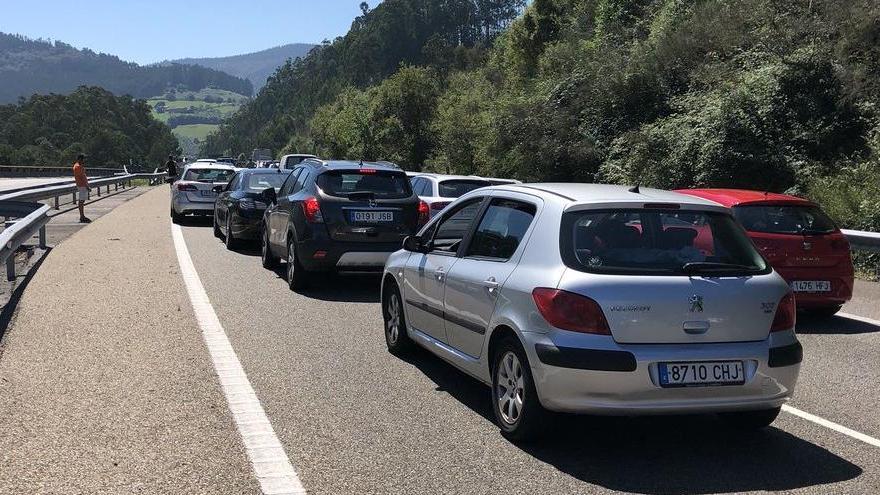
x=735, y=197
x=298, y=155
x=351, y=165
x=210, y=165
x=442, y=177
x=580, y=193
x=251, y=171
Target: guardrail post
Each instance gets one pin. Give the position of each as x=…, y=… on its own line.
x=99, y=191
x=115, y=187
x=56, y=202
x=43, y=237
x=73, y=198
x=10, y=267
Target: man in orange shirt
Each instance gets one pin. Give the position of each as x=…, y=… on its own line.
x=82, y=185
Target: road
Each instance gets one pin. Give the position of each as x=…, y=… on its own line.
x=353, y=418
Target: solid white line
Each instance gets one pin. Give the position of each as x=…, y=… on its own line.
x=862, y=319
x=271, y=466
x=832, y=425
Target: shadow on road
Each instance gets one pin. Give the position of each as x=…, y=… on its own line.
x=663, y=454
x=338, y=288
x=837, y=325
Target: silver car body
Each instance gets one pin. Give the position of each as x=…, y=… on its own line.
x=456, y=306
x=288, y=162
x=432, y=193
x=199, y=197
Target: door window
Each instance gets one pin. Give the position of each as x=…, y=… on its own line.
x=454, y=226
x=289, y=183
x=233, y=184
x=300, y=181
x=502, y=229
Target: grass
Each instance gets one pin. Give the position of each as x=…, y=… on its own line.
x=194, y=131
x=193, y=102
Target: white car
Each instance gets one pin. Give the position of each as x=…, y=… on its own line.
x=288, y=162
x=195, y=191
x=598, y=299
x=438, y=190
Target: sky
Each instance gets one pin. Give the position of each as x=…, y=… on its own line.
x=151, y=31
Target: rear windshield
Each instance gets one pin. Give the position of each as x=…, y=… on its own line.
x=209, y=174
x=260, y=182
x=805, y=219
x=460, y=187
x=666, y=242
x=376, y=184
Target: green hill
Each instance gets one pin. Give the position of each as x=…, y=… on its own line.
x=192, y=115
x=255, y=67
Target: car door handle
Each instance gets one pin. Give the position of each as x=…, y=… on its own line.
x=440, y=274
x=491, y=285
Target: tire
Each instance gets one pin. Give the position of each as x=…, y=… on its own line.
x=511, y=383
x=270, y=262
x=229, y=240
x=175, y=217
x=750, y=420
x=217, y=233
x=823, y=313
x=396, y=338
x=297, y=277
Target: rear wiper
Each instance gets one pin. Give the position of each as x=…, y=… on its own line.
x=361, y=195
x=708, y=266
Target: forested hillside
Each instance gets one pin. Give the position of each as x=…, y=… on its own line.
x=30, y=67
x=53, y=129
x=255, y=67
x=763, y=94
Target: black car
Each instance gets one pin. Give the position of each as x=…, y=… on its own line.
x=238, y=211
x=342, y=216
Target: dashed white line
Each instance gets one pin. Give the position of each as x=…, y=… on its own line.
x=832, y=425
x=270, y=463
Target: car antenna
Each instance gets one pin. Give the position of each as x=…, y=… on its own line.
x=635, y=188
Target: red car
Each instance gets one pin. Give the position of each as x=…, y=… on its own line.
x=799, y=240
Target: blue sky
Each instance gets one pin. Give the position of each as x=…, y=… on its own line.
x=150, y=31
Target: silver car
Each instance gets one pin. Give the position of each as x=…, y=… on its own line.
x=596, y=299
x=195, y=192
x=438, y=191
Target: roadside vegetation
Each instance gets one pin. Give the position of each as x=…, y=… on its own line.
x=192, y=115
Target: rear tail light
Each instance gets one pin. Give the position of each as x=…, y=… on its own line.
x=570, y=311
x=424, y=213
x=186, y=187
x=786, y=314
x=439, y=205
x=312, y=210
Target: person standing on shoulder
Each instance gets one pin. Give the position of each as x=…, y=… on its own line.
x=82, y=186
x=171, y=168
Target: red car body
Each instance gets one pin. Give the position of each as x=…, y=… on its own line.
x=798, y=239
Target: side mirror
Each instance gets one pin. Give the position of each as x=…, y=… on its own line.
x=269, y=196
x=414, y=244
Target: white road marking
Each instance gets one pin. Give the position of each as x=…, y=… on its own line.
x=271, y=466
x=862, y=319
x=832, y=425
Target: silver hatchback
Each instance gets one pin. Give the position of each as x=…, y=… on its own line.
x=597, y=299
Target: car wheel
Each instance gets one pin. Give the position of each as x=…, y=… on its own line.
x=230, y=241
x=269, y=260
x=750, y=420
x=396, y=338
x=217, y=232
x=514, y=400
x=175, y=217
x=822, y=313
x=297, y=278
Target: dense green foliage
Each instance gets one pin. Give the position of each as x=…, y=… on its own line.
x=30, y=67
x=255, y=67
x=111, y=130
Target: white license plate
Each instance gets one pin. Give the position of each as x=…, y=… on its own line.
x=701, y=373
x=372, y=216
x=207, y=194
x=811, y=286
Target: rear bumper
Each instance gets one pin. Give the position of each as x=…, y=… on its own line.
x=593, y=374
x=327, y=255
x=183, y=206
x=841, y=286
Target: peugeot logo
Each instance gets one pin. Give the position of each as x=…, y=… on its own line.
x=373, y=203
x=696, y=303
x=808, y=246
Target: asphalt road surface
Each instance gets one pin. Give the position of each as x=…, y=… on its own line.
x=354, y=419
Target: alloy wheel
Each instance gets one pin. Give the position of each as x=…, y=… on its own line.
x=392, y=325
x=509, y=388
x=291, y=263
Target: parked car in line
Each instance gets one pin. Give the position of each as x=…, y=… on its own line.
x=439, y=190
x=588, y=298
x=288, y=162
x=193, y=193
x=239, y=208
x=339, y=216
x=799, y=240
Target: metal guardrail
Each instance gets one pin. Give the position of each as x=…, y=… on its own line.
x=863, y=241
x=32, y=217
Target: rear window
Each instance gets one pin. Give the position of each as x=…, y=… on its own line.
x=209, y=174
x=376, y=184
x=666, y=242
x=800, y=219
x=260, y=182
x=459, y=187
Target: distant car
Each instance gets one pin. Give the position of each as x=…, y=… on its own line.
x=288, y=162
x=226, y=159
x=338, y=216
x=799, y=240
x=439, y=190
x=193, y=193
x=238, y=211
x=588, y=298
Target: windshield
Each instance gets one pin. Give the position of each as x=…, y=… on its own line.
x=800, y=219
x=459, y=187
x=367, y=182
x=658, y=242
x=209, y=174
x=261, y=182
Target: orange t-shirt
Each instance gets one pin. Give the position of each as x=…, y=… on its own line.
x=79, y=174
